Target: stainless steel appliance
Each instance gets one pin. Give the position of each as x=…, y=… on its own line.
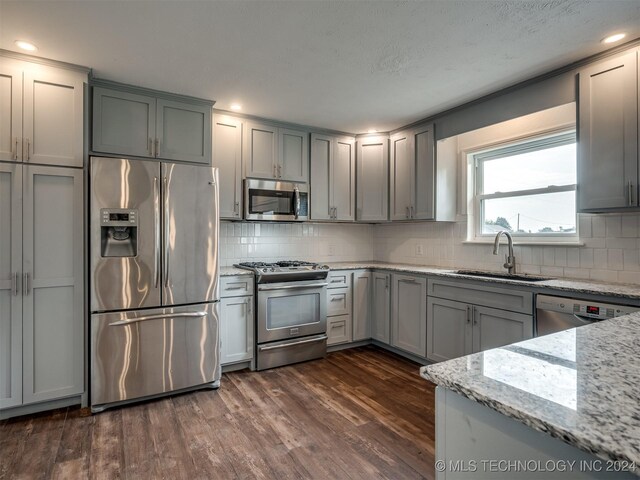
x=291, y=313
x=268, y=200
x=154, y=279
x=554, y=314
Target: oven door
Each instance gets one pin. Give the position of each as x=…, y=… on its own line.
x=269, y=200
x=291, y=309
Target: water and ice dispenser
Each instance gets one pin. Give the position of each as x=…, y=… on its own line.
x=119, y=232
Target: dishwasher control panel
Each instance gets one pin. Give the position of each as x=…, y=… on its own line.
x=583, y=308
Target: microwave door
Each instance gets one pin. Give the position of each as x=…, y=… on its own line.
x=190, y=234
x=124, y=234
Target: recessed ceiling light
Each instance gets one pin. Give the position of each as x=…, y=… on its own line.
x=30, y=47
x=372, y=130
x=236, y=106
x=614, y=38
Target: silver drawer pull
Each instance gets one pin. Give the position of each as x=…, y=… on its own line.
x=236, y=288
x=336, y=299
x=159, y=317
x=292, y=344
x=337, y=280
x=291, y=287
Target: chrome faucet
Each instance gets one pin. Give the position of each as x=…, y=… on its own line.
x=510, y=263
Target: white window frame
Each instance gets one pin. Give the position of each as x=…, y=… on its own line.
x=522, y=145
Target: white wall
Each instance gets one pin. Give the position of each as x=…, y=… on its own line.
x=251, y=242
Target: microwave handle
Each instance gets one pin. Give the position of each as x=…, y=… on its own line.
x=296, y=201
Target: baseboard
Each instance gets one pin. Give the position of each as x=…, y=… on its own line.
x=40, y=407
x=344, y=346
x=234, y=367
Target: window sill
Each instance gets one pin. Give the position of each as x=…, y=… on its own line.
x=528, y=243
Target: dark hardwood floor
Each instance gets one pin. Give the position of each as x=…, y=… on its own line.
x=359, y=413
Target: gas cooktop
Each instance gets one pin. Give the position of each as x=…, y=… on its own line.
x=285, y=271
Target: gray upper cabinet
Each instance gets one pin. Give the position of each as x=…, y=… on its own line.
x=10, y=285
x=53, y=283
x=227, y=157
x=362, y=287
x=409, y=314
x=425, y=191
x=372, y=174
x=183, y=131
x=608, y=135
x=276, y=153
x=123, y=123
x=412, y=194
x=41, y=113
x=136, y=122
x=381, y=307
x=333, y=182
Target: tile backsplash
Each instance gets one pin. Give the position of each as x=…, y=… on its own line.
x=251, y=242
x=610, y=250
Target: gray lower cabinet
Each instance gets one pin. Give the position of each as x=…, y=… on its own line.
x=372, y=177
x=333, y=178
x=41, y=114
x=381, y=307
x=45, y=294
x=362, y=310
x=132, y=121
x=339, y=307
x=409, y=314
x=236, y=329
x=338, y=329
x=227, y=157
x=457, y=328
x=608, y=132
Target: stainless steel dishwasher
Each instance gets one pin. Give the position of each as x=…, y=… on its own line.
x=554, y=314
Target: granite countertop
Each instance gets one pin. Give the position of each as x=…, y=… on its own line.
x=581, y=386
x=232, y=271
x=569, y=285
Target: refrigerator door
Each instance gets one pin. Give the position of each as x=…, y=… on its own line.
x=190, y=234
x=142, y=353
x=125, y=261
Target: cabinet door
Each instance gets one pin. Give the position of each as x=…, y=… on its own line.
x=409, y=314
x=608, y=134
x=53, y=116
x=10, y=285
x=227, y=158
x=373, y=179
x=381, y=306
x=260, y=148
x=293, y=162
x=236, y=330
x=494, y=328
x=53, y=287
x=449, y=331
x=321, y=184
x=423, y=174
x=400, y=201
x=123, y=123
x=10, y=112
x=343, y=179
x=338, y=329
x=362, y=282
x=183, y=131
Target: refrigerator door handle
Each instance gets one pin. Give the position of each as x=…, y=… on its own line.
x=156, y=234
x=166, y=233
x=159, y=317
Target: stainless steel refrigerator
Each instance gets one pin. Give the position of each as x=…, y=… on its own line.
x=154, y=279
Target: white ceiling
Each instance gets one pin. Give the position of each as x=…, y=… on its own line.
x=345, y=65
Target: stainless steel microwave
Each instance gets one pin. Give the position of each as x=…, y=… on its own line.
x=269, y=200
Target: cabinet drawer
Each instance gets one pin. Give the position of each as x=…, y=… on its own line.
x=338, y=301
x=339, y=279
x=339, y=329
x=485, y=295
x=238, y=286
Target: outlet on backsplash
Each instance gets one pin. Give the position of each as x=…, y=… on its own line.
x=332, y=250
x=419, y=250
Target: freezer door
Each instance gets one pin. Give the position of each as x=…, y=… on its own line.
x=141, y=353
x=125, y=263
x=190, y=234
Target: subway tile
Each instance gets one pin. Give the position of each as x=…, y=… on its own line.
x=598, y=226
x=614, y=225
x=629, y=226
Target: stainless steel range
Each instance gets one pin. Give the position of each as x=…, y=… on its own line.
x=291, y=312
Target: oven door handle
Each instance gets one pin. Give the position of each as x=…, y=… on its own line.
x=291, y=287
x=292, y=344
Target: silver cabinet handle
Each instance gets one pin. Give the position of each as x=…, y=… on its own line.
x=227, y=289
x=236, y=208
x=15, y=152
x=156, y=234
x=336, y=299
x=26, y=284
x=279, y=171
x=335, y=213
x=411, y=214
x=150, y=147
x=291, y=287
x=157, y=148
x=475, y=317
x=630, y=187
x=292, y=344
x=248, y=306
x=166, y=233
x=159, y=317
x=275, y=171
x=408, y=214
x=468, y=314
x=28, y=141
x=14, y=288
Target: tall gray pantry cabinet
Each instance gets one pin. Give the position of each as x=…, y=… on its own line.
x=42, y=333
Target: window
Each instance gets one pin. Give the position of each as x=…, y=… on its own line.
x=528, y=189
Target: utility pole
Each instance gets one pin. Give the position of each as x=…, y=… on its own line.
x=518, y=228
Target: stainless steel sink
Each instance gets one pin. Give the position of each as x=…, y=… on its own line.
x=507, y=276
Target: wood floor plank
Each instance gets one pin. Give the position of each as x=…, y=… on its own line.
x=357, y=414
